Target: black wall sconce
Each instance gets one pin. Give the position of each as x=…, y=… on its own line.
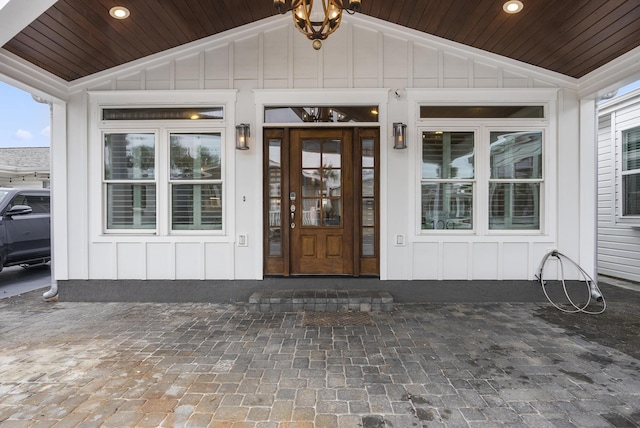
x=242, y=136
x=399, y=135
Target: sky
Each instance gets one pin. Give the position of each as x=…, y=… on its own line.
x=23, y=121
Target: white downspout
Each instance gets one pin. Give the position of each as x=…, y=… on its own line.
x=50, y=295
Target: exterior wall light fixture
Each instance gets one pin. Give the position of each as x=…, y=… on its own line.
x=243, y=133
x=399, y=135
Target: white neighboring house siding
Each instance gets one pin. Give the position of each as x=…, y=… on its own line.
x=618, y=239
x=272, y=55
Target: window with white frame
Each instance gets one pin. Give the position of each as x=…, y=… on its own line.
x=162, y=168
x=631, y=172
x=509, y=185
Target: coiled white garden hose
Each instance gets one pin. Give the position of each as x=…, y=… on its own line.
x=592, y=286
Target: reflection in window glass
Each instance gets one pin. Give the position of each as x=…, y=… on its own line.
x=129, y=174
x=274, y=237
x=368, y=201
x=514, y=206
x=448, y=173
x=631, y=172
x=447, y=155
x=484, y=112
x=447, y=206
x=516, y=174
x=131, y=206
x=300, y=114
x=321, y=182
x=196, y=187
x=196, y=156
x=129, y=156
x=196, y=207
x=516, y=155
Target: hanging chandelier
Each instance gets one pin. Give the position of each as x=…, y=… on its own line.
x=317, y=22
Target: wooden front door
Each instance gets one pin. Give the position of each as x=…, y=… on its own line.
x=321, y=201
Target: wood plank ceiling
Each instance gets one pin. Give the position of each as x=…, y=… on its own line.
x=76, y=38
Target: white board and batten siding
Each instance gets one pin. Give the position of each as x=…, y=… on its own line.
x=365, y=58
x=618, y=238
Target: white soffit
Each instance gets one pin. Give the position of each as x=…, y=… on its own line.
x=15, y=15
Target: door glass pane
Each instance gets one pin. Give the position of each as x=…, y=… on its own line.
x=368, y=242
x=275, y=241
x=331, y=182
x=274, y=212
x=368, y=212
x=331, y=154
x=331, y=212
x=311, y=212
x=274, y=153
x=311, y=154
x=516, y=155
x=274, y=235
x=196, y=156
x=368, y=182
x=311, y=183
x=367, y=153
x=274, y=182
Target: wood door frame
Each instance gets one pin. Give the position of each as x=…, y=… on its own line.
x=280, y=264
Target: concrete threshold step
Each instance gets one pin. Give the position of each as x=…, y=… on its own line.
x=320, y=301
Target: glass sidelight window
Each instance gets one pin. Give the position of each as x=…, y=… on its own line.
x=274, y=197
x=368, y=203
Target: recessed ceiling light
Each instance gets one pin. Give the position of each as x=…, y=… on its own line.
x=119, y=12
x=512, y=6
